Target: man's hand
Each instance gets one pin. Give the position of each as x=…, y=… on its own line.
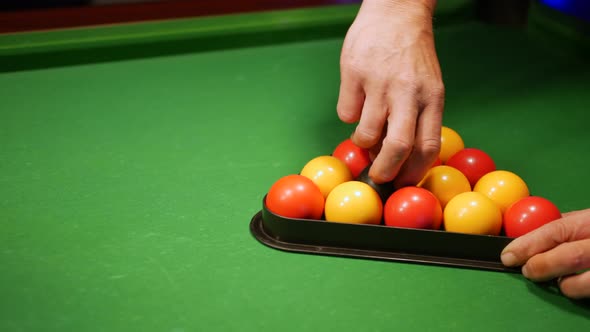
x=391, y=84
x=560, y=249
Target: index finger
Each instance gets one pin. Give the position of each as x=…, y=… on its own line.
x=571, y=228
x=399, y=140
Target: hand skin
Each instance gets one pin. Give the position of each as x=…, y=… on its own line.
x=391, y=84
x=559, y=249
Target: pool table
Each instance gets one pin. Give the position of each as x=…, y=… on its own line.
x=133, y=157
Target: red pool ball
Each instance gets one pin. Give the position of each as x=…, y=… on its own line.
x=473, y=163
x=437, y=162
x=528, y=214
x=413, y=207
x=355, y=158
x=295, y=196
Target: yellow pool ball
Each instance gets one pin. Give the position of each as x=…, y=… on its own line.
x=326, y=172
x=451, y=143
x=502, y=187
x=472, y=213
x=445, y=182
x=354, y=202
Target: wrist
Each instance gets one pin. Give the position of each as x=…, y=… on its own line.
x=417, y=11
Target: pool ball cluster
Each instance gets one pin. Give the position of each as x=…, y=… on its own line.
x=462, y=192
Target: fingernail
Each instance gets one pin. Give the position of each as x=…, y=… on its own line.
x=525, y=271
x=508, y=259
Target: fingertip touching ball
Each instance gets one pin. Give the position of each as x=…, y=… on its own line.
x=355, y=157
x=502, y=187
x=295, y=196
x=354, y=202
x=326, y=172
x=383, y=189
x=445, y=182
x=472, y=213
x=451, y=143
x=528, y=214
x=413, y=207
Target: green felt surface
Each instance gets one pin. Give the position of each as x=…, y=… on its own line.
x=127, y=187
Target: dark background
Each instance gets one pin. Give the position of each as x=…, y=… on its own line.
x=29, y=15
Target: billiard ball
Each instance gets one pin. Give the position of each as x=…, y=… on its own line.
x=451, y=143
x=413, y=207
x=355, y=157
x=503, y=187
x=326, y=172
x=528, y=214
x=472, y=213
x=383, y=189
x=472, y=162
x=437, y=162
x=445, y=182
x=295, y=196
x=353, y=202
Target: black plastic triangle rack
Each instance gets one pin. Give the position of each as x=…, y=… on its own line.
x=381, y=242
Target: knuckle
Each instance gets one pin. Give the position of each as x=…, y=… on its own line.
x=577, y=259
x=380, y=79
x=560, y=232
x=366, y=137
x=398, y=147
x=430, y=147
x=351, y=65
x=408, y=82
x=432, y=91
x=437, y=92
